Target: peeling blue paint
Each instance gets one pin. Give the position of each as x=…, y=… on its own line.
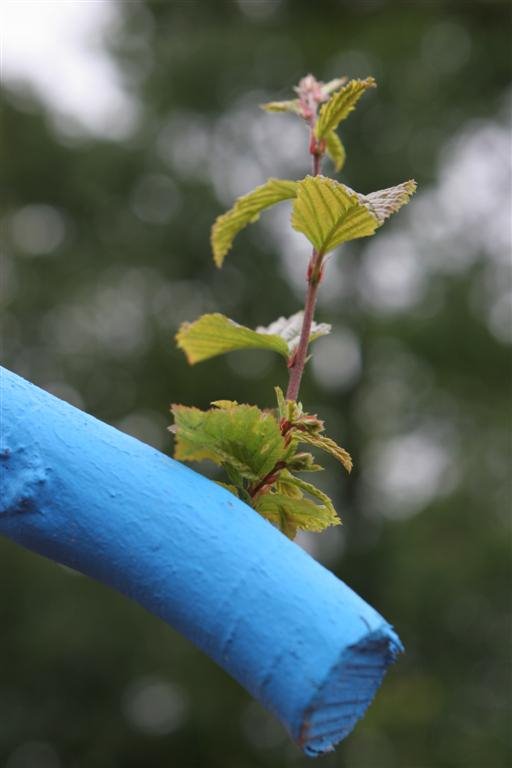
x=86, y=495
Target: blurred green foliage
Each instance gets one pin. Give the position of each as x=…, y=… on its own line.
x=415, y=383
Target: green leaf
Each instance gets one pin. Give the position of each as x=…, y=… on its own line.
x=215, y=334
x=335, y=150
x=281, y=402
x=340, y=105
x=276, y=508
x=329, y=213
x=289, y=514
x=327, y=445
x=246, y=210
x=282, y=106
x=224, y=403
x=286, y=480
x=385, y=202
x=289, y=489
x=241, y=436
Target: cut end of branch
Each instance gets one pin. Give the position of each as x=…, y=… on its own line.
x=348, y=690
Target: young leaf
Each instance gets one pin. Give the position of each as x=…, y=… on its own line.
x=306, y=428
x=224, y=404
x=323, y=91
x=329, y=213
x=325, y=444
x=385, y=202
x=287, y=480
x=302, y=462
x=281, y=402
x=246, y=210
x=335, y=150
x=240, y=436
x=340, y=105
x=276, y=508
x=282, y=106
x=289, y=329
x=288, y=489
x=289, y=514
x=303, y=422
x=332, y=85
x=235, y=478
x=216, y=334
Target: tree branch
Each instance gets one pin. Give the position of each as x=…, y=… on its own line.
x=85, y=495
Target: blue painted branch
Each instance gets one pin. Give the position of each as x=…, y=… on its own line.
x=84, y=494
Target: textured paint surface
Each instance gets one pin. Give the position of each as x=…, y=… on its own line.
x=86, y=495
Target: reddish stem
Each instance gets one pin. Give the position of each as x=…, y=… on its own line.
x=269, y=478
x=299, y=359
x=314, y=277
x=317, y=159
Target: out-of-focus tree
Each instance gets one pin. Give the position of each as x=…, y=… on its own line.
x=107, y=251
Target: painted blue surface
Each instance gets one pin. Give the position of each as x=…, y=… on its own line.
x=86, y=495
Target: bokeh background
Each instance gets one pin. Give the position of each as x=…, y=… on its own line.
x=127, y=127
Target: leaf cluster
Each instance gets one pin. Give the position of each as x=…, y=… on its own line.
x=262, y=452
